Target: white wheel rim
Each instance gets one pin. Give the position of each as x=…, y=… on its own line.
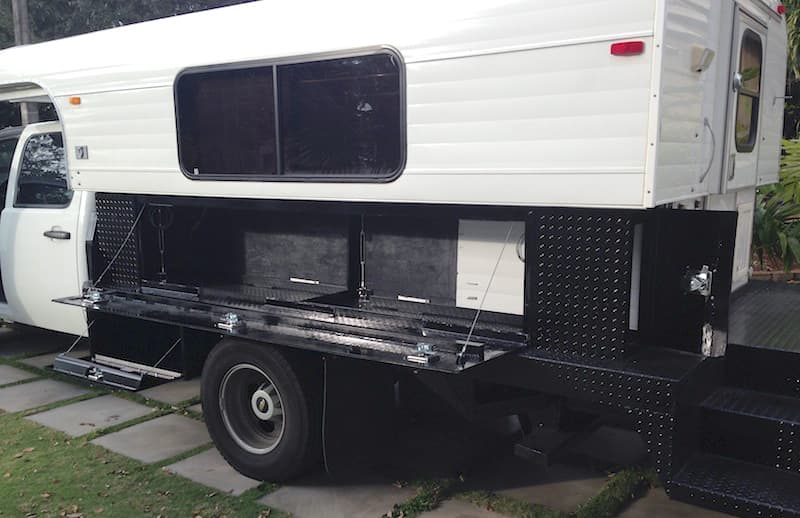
x=252, y=409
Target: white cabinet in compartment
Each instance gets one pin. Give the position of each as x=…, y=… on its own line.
x=482, y=247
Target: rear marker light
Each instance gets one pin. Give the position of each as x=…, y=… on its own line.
x=627, y=48
x=781, y=9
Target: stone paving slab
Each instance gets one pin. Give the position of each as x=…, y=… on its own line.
x=334, y=499
x=37, y=393
x=656, y=504
x=211, y=469
x=158, y=439
x=174, y=392
x=560, y=487
x=9, y=374
x=90, y=415
x=46, y=360
x=196, y=408
x=459, y=509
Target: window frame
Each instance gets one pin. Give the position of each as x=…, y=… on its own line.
x=275, y=63
x=18, y=174
x=755, y=116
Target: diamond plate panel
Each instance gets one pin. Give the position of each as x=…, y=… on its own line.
x=738, y=488
x=657, y=429
x=788, y=447
x=116, y=216
x=580, y=290
x=616, y=388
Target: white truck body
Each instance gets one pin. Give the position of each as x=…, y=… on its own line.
x=518, y=103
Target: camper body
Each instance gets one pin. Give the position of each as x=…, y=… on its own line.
x=557, y=199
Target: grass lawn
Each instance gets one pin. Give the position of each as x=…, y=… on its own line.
x=46, y=473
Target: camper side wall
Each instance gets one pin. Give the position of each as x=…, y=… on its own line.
x=519, y=104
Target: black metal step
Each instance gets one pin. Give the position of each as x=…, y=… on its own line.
x=764, y=370
x=752, y=426
x=760, y=405
x=736, y=487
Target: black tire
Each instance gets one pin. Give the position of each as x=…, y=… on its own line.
x=241, y=434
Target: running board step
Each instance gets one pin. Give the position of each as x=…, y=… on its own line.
x=98, y=373
x=736, y=487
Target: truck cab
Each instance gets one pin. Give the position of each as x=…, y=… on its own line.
x=42, y=230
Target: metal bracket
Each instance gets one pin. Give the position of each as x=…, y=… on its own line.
x=230, y=322
x=698, y=281
x=426, y=354
x=92, y=295
x=470, y=351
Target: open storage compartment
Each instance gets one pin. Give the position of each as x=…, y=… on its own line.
x=358, y=282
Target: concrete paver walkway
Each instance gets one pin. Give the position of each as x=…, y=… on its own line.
x=459, y=509
x=90, y=415
x=10, y=374
x=37, y=393
x=174, y=392
x=327, y=499
x=46, y=360
x=211, y=469
x=560, y=487
x=157, y=439
x=656, y=504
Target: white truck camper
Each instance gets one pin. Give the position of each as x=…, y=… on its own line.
x=552, y=197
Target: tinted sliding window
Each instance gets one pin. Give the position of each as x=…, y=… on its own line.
x=337, y=118
x=341, y=117
x=226, y=120
x=42, y=177
x=748, y=99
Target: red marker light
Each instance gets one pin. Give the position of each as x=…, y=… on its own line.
x=781, y=9
x=627, y=48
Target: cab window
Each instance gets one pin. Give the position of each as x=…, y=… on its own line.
x=42, y=180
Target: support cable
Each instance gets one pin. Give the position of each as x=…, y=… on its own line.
x=122, y=246
x=486, y=291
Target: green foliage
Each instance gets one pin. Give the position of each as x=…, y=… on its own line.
x=793, y=28
x=430, y=494
x=51, y=19
x=776, y=234
x=625, y=487
x=508, y=506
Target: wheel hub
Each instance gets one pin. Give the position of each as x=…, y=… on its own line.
x=262, y=404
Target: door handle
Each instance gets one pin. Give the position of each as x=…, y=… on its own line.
x=732, y=167
x=57, y=234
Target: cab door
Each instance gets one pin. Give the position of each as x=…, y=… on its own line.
x=42, y=252
x=747, y=82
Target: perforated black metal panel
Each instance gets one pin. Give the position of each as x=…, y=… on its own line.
x=788, y=447
x=580, y=286
x=116, y=259
x=657, y=429
x=616, y=388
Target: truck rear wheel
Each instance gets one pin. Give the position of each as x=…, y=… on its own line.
x=260, y=410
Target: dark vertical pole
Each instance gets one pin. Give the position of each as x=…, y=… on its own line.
x=22, y=36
